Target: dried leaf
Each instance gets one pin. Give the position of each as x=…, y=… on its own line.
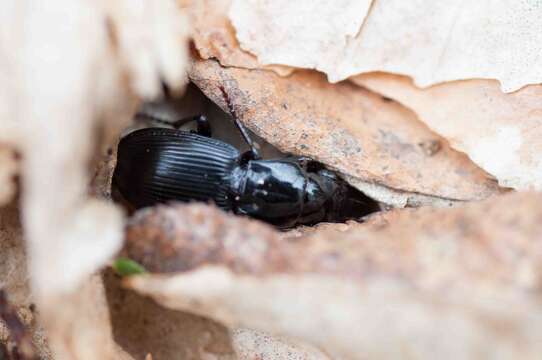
x=500, y=132
x=214, y=37
x=57, y=162
x=379, y=146
x=177, y=250
x=74, y=68
x=430, y=41
x=460, y=283
x=319, y=29
x=518, y=174
x=518, y=168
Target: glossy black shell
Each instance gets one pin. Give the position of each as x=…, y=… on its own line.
x=155, y=165
x=279, y=192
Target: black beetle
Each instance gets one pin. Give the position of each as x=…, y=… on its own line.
x=156, y=165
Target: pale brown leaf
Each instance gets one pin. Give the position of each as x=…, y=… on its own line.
x=214, y=37
x=435, y=283
x=431, y=41
x=502, y=133
x=71, y=69
x=378, y=145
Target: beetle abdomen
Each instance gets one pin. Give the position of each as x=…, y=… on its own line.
x=158, y=165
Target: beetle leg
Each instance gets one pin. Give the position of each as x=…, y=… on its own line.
x=249, y=155
x=204, y=128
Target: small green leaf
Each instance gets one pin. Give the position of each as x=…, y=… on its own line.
x=127, y=267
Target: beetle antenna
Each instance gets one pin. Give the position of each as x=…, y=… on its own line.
x=239, y=125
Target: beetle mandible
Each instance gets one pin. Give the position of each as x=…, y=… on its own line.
x=156, y=165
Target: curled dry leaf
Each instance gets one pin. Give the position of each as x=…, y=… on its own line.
x=73, y=68
x=300, y=48
x=214, y=240
x=430, y=41
x=86, y=87
x=460, y=282
x=214, y=37
x=502, y=133
x=488, y=106
x=378, y=145
x=305, y=34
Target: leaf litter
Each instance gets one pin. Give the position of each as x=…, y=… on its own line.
x=462, y=270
